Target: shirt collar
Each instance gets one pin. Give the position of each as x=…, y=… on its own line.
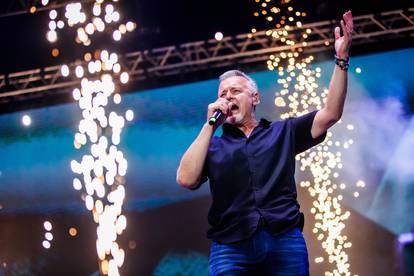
x=229, y=129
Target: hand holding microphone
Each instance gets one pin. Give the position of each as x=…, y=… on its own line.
x=215, y=117
x=217, y=111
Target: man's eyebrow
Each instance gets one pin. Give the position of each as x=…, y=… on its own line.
x=233, y=87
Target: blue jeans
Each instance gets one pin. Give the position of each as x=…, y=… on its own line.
x=262, y=254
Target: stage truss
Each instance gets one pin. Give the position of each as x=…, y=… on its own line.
x=191, y=57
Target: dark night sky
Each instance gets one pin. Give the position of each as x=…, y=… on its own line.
x=160, y=23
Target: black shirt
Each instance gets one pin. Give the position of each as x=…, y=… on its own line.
x=253, y=178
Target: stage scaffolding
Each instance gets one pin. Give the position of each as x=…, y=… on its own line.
x=201, y=55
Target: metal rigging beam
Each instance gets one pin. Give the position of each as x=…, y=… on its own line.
x=199, y=55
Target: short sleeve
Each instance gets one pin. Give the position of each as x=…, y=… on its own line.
x=203, y=178
x=301, y=127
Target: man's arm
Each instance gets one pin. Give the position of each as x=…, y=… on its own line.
x=192, y=163
x=332, y=111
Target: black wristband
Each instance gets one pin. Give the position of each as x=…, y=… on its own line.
x=342, y=63
x=341, y=59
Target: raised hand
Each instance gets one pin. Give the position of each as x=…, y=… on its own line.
x=342, y=43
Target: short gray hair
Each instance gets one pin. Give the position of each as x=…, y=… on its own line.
x=236, y=73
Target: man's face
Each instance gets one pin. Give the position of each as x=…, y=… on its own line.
x=242, y=101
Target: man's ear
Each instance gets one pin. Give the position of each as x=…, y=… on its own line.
x=256, y=98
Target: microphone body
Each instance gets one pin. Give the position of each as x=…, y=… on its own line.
x=215, y=117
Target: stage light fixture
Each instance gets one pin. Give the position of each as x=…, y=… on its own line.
x=26, y=120
x=218, y=36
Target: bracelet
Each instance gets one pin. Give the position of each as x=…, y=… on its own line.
x=342, y=63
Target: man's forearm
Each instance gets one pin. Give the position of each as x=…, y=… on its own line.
x=337, y=93
x=192, y=162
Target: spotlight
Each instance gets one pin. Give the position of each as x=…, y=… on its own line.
x=26, y=120
x=218, y=36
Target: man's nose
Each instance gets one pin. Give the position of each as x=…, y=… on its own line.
x=229, y=96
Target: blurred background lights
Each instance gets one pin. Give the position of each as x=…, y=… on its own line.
x=51, y=36
x=319, y=260
x=26, y=120
x=117, y=98
x=109, y=8
x=77, y=185
x=52, y=25
x=64, y=70
x=79, y=71
x=358, y=70
x=218, y=36
x=360, y=183
x=55, y=52
x=129, y=115
x=117, y=35
x=132, y=244
x=130, y=26
x=60, y=24
x=46, y=244
x=47, y=225
x=48, y=236
x=53, y=14
x=96, y=9
x=73, y=232
x=116, y=68
x=124, y=77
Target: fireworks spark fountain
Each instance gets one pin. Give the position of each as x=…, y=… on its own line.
x=299, y=95
x=103, y=167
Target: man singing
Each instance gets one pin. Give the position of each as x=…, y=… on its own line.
x=255, y=218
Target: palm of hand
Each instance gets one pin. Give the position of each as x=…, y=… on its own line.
x=342, y=43
x=341, y=47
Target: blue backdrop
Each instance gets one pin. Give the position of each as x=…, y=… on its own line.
x=35, y=174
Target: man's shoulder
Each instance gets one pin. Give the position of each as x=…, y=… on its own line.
x=277, y=124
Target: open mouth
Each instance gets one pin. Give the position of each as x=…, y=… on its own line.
x=234, y=107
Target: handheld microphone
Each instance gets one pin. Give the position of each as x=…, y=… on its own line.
x=215, y=117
